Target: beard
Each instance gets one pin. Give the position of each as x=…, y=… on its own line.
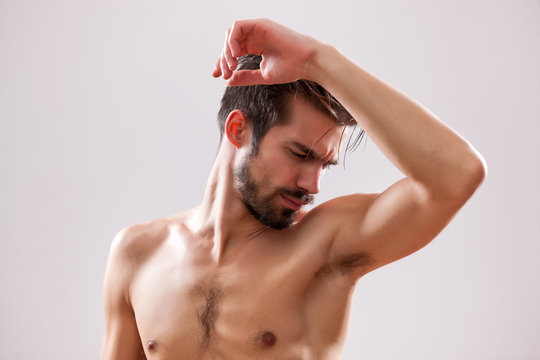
x=261, y=206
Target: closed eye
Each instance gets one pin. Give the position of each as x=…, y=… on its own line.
x=298, y=155
x=303, y=156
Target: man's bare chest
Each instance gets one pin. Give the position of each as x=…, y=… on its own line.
x=250, y=308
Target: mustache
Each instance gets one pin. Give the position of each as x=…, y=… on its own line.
x=300, y=195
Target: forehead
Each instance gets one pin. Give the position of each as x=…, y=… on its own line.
x=308, y=126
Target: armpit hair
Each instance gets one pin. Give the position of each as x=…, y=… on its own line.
x=344, y=263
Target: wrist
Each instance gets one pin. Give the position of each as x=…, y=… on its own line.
x=319, y=62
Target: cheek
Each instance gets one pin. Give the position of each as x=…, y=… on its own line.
x=284, y=173
x=276, y=169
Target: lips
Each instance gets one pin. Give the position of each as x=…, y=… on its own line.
x=292, y=203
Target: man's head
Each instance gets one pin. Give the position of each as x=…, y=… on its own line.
x=295, y=132
x=268, y=105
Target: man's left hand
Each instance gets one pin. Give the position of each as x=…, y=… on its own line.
x=285, y=53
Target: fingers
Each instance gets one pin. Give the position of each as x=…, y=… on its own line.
x=246, y=77
x=226, y=63
x=217, y=69
x=237, y=40
x=223, y=64
x=229, y=58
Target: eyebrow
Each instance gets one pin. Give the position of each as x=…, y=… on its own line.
x=312, y=154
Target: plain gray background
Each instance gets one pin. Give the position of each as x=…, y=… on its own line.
x=108, y=110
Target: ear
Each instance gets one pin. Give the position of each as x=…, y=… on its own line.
x=237, y=128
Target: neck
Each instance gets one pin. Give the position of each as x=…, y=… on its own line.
x=222, y=218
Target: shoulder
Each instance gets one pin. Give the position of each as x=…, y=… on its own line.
x=329, y=222
x=330, y=217
x=133, y=244
x=130, y=249
x=340, y=210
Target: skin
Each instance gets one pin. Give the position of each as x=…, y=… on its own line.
x=214, y=283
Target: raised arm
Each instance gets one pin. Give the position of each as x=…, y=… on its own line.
x=442, y=169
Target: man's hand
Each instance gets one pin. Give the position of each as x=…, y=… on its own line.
x=285, y=53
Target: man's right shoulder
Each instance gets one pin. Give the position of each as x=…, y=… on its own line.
x=135, y=243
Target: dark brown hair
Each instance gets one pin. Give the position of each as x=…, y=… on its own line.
x=268, y=105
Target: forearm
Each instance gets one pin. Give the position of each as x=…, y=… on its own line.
x=411, y=137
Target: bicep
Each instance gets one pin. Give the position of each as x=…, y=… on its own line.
x=121, y=340
x=388, y=226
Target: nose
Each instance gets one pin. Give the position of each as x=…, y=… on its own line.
x=310, y=179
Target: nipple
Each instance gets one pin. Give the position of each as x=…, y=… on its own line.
x=268, y=339
x=152, y=344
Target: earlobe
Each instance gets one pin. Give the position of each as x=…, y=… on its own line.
x=236, y=128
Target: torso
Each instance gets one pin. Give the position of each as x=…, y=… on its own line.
x=273, y=298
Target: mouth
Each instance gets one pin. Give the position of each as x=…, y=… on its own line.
x=292, y=203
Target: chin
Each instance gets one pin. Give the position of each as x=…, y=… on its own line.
x=288, y=218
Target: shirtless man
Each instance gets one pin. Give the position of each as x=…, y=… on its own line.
x=247, y=274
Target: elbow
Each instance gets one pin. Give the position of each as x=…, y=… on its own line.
x=481, y=170
x=474, y=174
x=457, y=183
